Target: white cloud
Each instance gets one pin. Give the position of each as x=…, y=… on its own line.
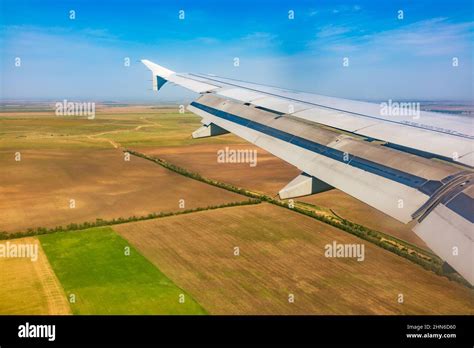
x=332, y=31
x=430, y=37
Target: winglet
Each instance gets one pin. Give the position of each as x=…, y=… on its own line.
x=160, y=74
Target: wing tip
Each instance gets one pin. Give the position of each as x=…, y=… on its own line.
x=157, y=70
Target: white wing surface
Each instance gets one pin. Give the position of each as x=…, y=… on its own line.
x=411, y=167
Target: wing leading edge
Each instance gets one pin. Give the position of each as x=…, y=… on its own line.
x=395, y=165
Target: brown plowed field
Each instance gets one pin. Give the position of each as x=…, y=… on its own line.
x=36, y=191
x=282, y=253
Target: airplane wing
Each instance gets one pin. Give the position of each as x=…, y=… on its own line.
x=409, y=166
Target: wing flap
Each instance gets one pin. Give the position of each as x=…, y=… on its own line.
x=451, y=237
x=392, y=197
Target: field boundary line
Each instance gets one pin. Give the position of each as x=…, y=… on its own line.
x=117, y=221
x=57, y=300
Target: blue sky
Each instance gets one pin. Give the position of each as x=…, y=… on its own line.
x=83, y=58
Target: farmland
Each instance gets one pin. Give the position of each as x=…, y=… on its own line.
x=30, y=287
x=67, y=160
x=37, y=191
x=165, y=133
x=94, y=267
x=126, y=126
x=282, y=253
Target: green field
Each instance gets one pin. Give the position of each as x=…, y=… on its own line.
x=126, y=126
x=170, y=129
x=92, y=265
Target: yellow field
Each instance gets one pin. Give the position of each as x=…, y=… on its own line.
x=282, y=253
x=29, y=287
